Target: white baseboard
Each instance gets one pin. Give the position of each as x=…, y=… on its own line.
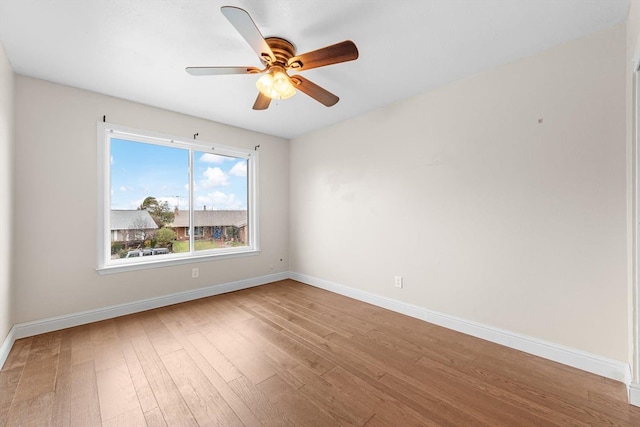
x=634, y=394
x=27, y=329
x=5, y=348
x=596, y=364
x=593, y=363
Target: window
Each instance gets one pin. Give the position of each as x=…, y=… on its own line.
x=182, y=199
x=197, y=231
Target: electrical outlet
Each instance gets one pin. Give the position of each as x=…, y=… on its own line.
x=398, y=281
x=195, y=273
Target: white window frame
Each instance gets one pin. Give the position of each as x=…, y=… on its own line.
x=105, y=265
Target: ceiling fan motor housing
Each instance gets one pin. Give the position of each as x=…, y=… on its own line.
x=282, y=49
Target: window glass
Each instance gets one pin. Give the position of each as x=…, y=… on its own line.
x=148, y=183
x=220, y=201
x=167, y=199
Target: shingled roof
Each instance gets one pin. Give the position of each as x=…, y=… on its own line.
x=131, y=220
x=211, y=218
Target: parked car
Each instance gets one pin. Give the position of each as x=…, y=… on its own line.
x=147, y=252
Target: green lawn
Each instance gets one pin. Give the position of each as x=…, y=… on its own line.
x=201, y=245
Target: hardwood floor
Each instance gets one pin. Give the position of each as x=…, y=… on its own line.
x=287, y=354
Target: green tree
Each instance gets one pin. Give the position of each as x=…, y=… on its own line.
x=160, y=212
x=165, y=236
x=147, y=203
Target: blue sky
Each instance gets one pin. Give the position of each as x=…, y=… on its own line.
x=139, y=170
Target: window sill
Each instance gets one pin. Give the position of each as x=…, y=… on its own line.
x=161, y=263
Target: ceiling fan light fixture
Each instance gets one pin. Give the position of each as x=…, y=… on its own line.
x=276, y=84
x=278, y=56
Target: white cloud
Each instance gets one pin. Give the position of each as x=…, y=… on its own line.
x=239, y=169
x=213, y=158
x=135, y=204
x=171, y=201
x=124, y=188
x=214, y=177
x=220, y=201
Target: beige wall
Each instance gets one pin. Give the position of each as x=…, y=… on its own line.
x=6, y=179
x=55, y=203
x=489, y=215
x=633, y=57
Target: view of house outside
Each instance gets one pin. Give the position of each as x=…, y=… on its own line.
x=150, y=204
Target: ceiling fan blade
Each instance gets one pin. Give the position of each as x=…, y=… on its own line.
x=262, y=102
x=321, y=95
x=219, y=71
x=334, y=54
x=243, y=23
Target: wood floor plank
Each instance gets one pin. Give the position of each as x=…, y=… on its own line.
x=11, y=373
x=550, y=376
x=382, y=404
x=371, y=350
x=85, y=406
x=9, y=380
x=81, y=344
x=198, y=348
x=187, y=331
x=537, y=394
x=482, y=399
x=173, y=407
x=257, y=330
x=338, y=355
x=205, y=402
x=299, y=410
x=524, y=397
x=162, y=340
x=244, y=354
x=116, y=392
x=332, y=399
x=320, y=345
x=296, y=319
x=280, y=362
x=436, y=405
x=293, y=368
x=223, y=366
x=32, y=412
x=396, y=344
x=410, y=372
x=131, y=418
x=290, y=354
x=226, y=304
x=39, y=373
x=267, y=414
x=106, y=348
x=61, y=410
x=141, y=386
x=339, y=321
x=154, y=418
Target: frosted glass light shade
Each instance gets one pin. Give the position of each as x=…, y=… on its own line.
x=276, y=85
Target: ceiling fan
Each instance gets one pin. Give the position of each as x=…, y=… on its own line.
x=279, y=56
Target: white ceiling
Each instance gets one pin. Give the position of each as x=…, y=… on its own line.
x=138, y=50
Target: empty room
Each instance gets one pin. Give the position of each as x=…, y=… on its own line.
x=315, y=213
